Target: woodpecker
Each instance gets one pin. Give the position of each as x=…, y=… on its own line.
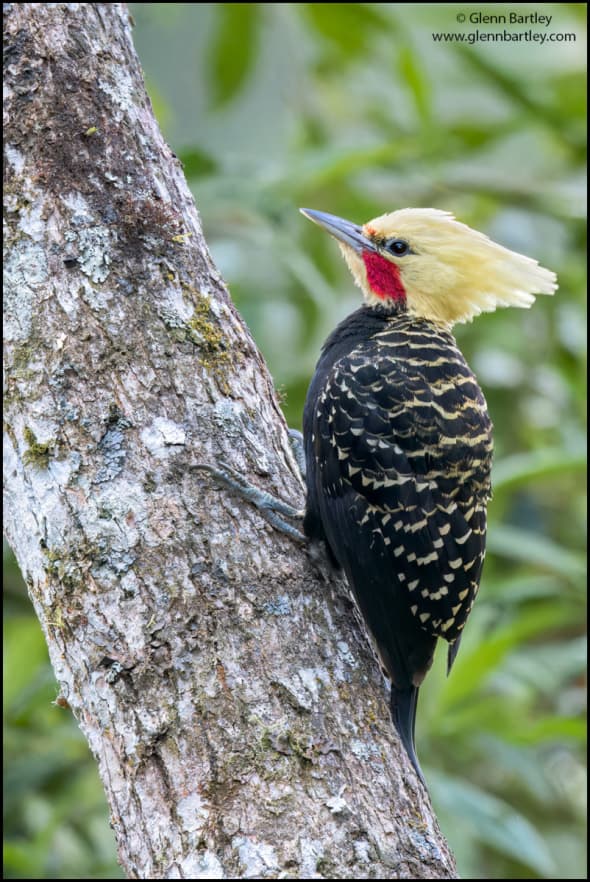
x=397, y=437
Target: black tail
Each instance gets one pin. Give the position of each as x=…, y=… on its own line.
x=452, y=653
x=403, y=711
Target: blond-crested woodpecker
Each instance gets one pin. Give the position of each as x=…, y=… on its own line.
x=397, y=437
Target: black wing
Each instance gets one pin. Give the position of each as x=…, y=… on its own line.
x=402, y=455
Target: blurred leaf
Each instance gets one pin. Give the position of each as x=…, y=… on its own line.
x=24, y=654
x=494, y=822
x=159, y=105
x=518, y=589
x=487, y=712
x=347, y=26
x=570, y=93
x=331, y=163
x=528, y=547
x=551, y=729
x=412, y=74
x=495, y=715
x=197, y=163
x=580, y=10
x=21, y=860
x=232, y=51
x=475, y=135
x=517, y=763
x=512, y=87
x=473, y=666
x=547, y=668
x=521, y=468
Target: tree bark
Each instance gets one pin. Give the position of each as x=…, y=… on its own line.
x=233, y=704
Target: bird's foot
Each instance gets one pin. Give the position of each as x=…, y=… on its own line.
x=269, y=506
x=296, y=442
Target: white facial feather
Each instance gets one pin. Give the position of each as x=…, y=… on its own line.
x=453, y=273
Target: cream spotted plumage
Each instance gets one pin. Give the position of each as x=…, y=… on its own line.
x=386, y=432
x=397, y=435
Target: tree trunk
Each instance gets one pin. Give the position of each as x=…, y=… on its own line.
x=233, y=704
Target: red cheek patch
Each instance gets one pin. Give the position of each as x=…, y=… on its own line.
x=383, y=277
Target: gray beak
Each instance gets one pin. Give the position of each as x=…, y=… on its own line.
x=341, y=229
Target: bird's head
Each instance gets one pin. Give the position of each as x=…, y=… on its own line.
x=425, y=261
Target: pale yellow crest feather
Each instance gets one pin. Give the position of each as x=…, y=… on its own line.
x=453, y=273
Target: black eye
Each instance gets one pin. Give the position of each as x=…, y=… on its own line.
x=397, y=247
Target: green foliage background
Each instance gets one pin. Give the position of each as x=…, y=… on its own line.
x=355, y=109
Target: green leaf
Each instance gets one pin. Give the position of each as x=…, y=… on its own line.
x=476, y=135
x=522, y=468
x=532, y=548
x=412, y=74
x=513, y=88
x=550, y=729
x=472, y=667
x=197, y=163
x=25, y=654
x=494, y=822
x=161, y=107
x=233, y=49
x=347, y=26
x=505, y=717
x=333, y=164
x=519, y=589
x=551, y=667
x=21, y=860
x=485, y=712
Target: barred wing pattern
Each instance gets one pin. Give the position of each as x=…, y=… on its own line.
x=402, y=442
